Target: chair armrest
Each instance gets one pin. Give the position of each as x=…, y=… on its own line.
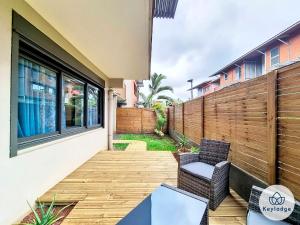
x=222, y=164
x=186, y=158
x=221, y=171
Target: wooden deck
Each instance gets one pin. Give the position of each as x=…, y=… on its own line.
x=111, y=183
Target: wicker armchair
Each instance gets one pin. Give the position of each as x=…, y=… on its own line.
x=254, y=215
x=207, y=172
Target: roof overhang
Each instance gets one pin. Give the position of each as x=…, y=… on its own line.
x=204, y=84
x=165, y=8
x=115, y=35
x=201, y=85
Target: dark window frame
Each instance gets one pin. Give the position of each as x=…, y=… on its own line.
x=55, y=58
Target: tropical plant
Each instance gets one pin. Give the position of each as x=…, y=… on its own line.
x=156, y=90
x=183, y=143
x=195, y=149
x=159, y=108
x=161, y=118
x=47, y=216
x=160, y=123
x=172, y=102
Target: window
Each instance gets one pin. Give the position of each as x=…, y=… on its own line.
x=200, y=91
x=238, y=73
x=52, y=95
x=225, y=76
x=93, y=106
x=206, y=89
x=46, y=111
x=274, y=56
x=73, y=100
x=250, y=70
x=37, y=94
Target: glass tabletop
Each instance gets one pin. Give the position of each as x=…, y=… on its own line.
x=166, y=206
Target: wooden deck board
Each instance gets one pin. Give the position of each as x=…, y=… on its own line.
x=110, y=184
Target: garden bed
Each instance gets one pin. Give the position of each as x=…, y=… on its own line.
x=30, y=217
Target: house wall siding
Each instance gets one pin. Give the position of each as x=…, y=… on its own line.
x=284, y=56
x=131, y=98
x=30, y=174
x=230, y=78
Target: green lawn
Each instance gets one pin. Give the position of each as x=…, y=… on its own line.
x=120, y=146
x=154, y=143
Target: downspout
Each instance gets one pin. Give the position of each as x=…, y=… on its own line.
x=115, y=113
x=111, y=117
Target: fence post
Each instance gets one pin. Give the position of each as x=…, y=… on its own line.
x=201, y=117
x=182, y=118
x=271, y=126
x=173, y=118
x=142, y=129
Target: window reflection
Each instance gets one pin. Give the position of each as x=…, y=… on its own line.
x=73, y=100
x=93, y=106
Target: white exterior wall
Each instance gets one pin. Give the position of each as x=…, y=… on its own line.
x=30, y=174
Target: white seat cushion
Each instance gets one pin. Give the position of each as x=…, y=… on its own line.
x=199, y=169
x=254, y=218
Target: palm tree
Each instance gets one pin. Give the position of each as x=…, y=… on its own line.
x=155, y=89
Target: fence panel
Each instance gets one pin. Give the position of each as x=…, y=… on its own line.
x=193, y=120
x=171, y=118
x=179, y=118
x=129, y=120
x=148, y=121
x=261, y=120
x=288, y=132
x=237, y=114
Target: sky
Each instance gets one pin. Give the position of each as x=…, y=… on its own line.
x=205, y=35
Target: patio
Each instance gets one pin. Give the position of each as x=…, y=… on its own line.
x=111, y=183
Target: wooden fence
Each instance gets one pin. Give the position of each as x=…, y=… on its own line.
x=261, y=120
x=135, y=121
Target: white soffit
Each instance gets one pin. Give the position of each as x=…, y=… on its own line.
x=115, y=35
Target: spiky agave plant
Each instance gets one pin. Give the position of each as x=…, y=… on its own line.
x=48, y=216
x=183, y=143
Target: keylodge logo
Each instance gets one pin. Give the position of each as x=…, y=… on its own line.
x=276, y=199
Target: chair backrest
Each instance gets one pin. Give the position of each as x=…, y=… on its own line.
x=213, y=152
x=294, y=218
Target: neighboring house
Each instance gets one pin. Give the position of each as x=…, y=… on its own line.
x=206, y=87
x=279, y=51
x=128, y=95
x=58, y=65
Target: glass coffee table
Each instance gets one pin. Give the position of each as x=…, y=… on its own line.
x=169, y=206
